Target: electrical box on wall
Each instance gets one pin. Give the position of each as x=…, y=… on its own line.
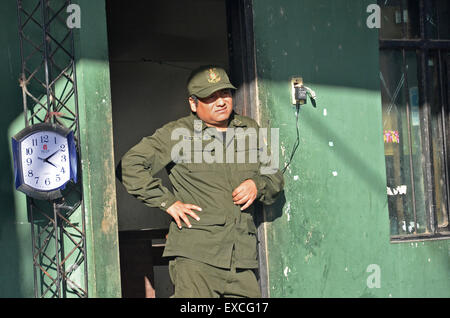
x=300, y=93
x=295, y=82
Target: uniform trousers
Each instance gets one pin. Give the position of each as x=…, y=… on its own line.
x=193, y=279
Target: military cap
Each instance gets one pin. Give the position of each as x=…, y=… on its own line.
x=208, y=79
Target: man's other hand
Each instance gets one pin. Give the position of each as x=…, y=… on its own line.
x=245, y=193
x=178, y=211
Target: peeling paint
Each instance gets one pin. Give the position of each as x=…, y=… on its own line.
x=286, y=271
x=283, y=149
x=308, y=257
x=288, y=210
x=109, y=218
x=308, y=237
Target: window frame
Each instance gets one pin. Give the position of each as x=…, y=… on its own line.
x=423, y=45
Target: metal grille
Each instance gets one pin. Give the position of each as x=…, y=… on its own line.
x=48, y=83
x=415, y=38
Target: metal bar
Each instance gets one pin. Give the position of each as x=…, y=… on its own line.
x=48, y=227
x=445, y=133
x=46, y=66
x=33, y=242
x=23, y=80
x=427, y=146
x=419, y=237
x=61, y=256
x=58, y=270
x=404, y=28
x=408, y=121
x=56, y=13
x=70, y=224
x=59, y=45
x=442, y=131
x=30, y=16
x=422, y=19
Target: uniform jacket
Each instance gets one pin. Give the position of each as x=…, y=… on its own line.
x=185, y=148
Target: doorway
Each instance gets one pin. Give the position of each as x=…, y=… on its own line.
x=153, y=47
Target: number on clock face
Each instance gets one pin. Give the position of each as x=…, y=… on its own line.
x=45, y=163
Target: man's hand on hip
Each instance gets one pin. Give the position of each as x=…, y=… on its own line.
x=245, y=193
x=178, y=211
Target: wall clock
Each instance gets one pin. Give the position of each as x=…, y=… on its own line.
x=45, y=160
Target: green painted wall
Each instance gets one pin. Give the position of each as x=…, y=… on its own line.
x=97, y=151
x=16, y=267
x=332, y=222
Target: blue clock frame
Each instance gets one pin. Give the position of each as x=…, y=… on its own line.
x=17, y=158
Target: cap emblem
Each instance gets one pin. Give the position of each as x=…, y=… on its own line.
x=213, y=77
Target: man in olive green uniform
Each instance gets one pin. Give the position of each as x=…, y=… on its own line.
x=213, y=236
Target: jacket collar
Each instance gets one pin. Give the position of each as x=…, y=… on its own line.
x=234, y=121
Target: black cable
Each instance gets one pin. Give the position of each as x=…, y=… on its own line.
x=297, y=142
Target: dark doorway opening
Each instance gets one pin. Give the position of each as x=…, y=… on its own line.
x=153, y=46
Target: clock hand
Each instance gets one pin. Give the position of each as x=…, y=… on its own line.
x=46, y=159
x=50, y=163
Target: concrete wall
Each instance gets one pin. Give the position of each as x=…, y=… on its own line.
x=333, y=222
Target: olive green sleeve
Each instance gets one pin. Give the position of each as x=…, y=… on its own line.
x=141, y=163
x=269, y=179
x=269, y=186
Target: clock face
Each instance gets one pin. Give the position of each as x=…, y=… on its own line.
x=45, y=160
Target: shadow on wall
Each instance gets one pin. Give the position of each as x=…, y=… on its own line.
x=15, y=244
x=337, y=56
x=274, y=211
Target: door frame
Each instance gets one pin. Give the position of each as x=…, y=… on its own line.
x=242, y=61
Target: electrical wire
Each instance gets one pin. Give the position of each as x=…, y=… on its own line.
x=297, y=142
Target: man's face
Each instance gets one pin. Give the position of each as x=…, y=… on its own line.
x=215, y=109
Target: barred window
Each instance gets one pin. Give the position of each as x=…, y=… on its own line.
x=414, y=68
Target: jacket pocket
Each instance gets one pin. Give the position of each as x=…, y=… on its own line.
x=251, y=227
x=208, y=219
